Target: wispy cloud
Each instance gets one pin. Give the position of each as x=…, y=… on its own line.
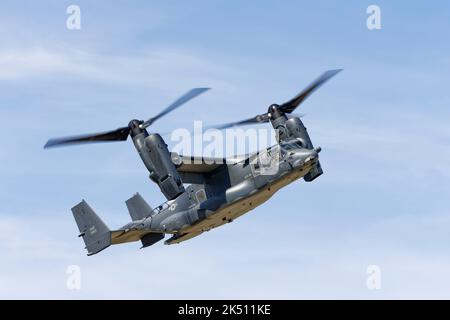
x=152, y=68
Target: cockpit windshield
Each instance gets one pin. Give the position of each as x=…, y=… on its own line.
x=290, y=145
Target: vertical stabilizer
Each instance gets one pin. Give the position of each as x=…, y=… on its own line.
x=95, y=233
x=138, y=207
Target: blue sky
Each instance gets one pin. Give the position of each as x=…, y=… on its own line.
x=382, y=125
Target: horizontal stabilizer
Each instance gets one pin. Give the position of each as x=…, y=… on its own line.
x=95, y=233
x=138, y=207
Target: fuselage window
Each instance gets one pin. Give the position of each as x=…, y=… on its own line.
x=200, y=195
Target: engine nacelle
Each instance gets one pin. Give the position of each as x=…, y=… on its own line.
x=157, y=159
x=164, y=172
x=296, y=129
x=288, y=129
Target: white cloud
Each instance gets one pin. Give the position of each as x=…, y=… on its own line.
x=155, y=67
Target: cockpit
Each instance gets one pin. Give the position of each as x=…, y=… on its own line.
x=290, y=145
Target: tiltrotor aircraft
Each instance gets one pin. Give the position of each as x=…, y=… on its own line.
x=202, y=193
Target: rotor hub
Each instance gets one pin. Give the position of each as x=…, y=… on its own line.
x=273, y=108
x=274, y=111
x=134, y=123
x=135, y=127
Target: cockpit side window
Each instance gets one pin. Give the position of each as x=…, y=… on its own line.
x=266, y=162
x=200, y=195
x=288, y=146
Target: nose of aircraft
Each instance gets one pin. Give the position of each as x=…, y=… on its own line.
x=303, y=156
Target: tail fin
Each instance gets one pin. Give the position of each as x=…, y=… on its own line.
x=95, y=233
x=138, y=208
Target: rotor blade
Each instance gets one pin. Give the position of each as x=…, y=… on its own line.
x=290, y=105
x=262, y=118
x=183, y=99
x=120, y=134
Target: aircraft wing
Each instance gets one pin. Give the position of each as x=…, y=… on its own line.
x=194, y=164
x=199, y=164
